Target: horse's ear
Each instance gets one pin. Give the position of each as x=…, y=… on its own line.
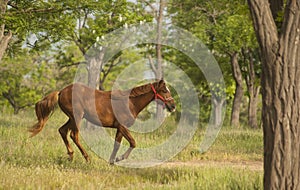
x=161, y=82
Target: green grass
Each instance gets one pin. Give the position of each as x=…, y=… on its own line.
x=41, y=162
x=112, y=177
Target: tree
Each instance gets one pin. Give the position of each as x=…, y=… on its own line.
x=200, y=17
x=239, y=90
x=252, y=79
x=159, y=69
x=62, y=31
x=28, y=30
x=43, y=22
x=156, y=66
x=95, y=20
x=280, y=50
x=235, y=37
x=25, y=79
x=5, y=36
x=225, y=28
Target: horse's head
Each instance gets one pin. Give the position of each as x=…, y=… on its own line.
x=163, y=93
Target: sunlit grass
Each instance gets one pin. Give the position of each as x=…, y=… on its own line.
x=41, y=162
x=112, y=177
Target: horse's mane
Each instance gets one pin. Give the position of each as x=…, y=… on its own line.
x=131, y=93
x=140, y=90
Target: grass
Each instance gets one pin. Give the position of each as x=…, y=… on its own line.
x=46, y=177
x=41, y=162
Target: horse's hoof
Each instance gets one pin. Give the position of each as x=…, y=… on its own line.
x=111, y=162
x=70, y=159
x=70, y=156
x=118, y=159
x=87, y=159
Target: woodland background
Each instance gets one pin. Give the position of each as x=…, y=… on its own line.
x=45, y=41
x=255, y=42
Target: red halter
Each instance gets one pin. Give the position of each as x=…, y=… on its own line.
x=158, y=96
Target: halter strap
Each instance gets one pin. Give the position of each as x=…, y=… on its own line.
x=158, y=96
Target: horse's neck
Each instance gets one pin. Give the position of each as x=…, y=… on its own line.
x=140, y=102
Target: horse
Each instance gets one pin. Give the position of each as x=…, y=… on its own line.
x=113, y=109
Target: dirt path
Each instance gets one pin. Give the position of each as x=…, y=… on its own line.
x=250, y=165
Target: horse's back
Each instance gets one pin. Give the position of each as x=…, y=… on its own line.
x=92, y=104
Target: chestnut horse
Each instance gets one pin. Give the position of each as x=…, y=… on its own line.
x=113, y=109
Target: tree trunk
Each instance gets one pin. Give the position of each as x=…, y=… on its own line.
x=280, y=92
x=11, y=99
x=94, y=73
x=159, y=72
x=253, y=91
x=252, y=107
x=217, y=110
x=95, y=66
x=159, y=69
x=4, y=36
x=239, y=92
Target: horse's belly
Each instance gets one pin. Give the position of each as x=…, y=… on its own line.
x=99, y=120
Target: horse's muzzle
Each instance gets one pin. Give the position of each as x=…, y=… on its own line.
x=171, y=107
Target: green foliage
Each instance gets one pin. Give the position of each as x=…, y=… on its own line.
x=224, y=27
x=67, y=59
x=96, y=20
x=60, y=33
x=25, y=79
x=46, y=21
x=63, y=31
x=234, y=33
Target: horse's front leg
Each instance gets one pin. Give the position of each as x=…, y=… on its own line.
x=125, y=155
x=117, y=144
x=125, y=132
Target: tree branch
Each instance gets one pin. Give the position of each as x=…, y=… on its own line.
x=154, y=10
x=4, y=40
x=2, y=31
x=3, y=4
x=53, y=9
x=154, y=69
x=72, y=64
x=9, y=98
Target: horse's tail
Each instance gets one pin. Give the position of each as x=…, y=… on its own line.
x=43, y=109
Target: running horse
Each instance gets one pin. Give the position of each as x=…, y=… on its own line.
x=114, y=109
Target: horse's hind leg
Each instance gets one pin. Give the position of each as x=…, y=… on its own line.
x=64, y=132
x=75, y=137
